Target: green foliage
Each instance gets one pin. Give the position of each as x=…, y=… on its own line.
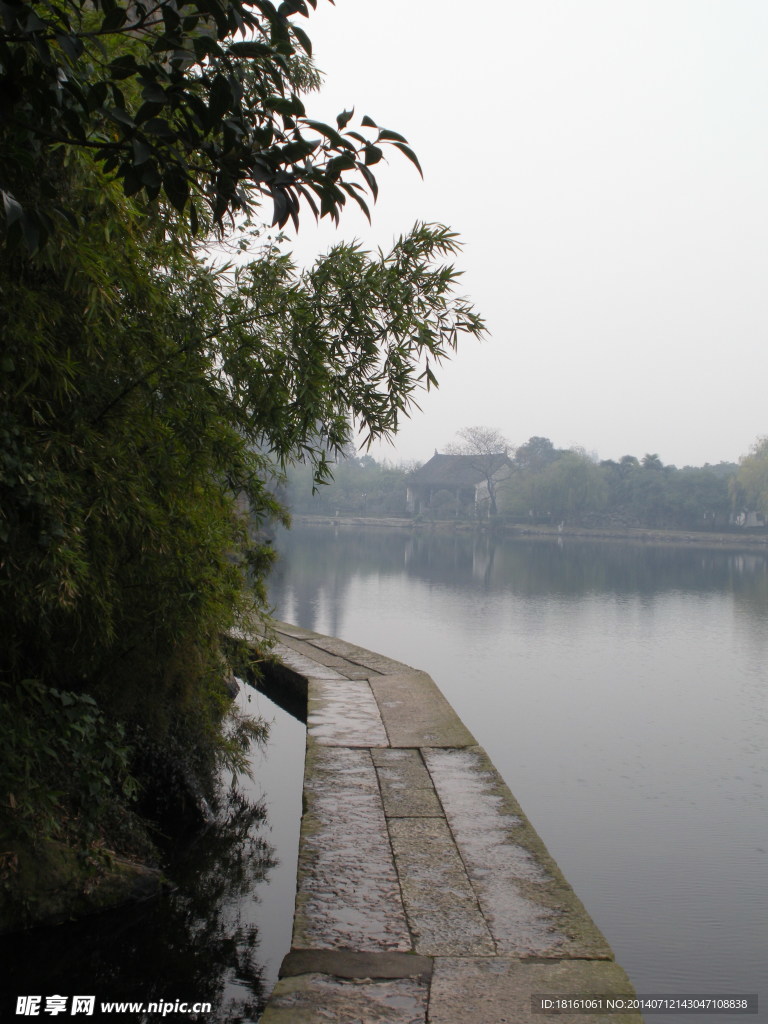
x=544, y=484
x=550, y=485
x=150, y=398
x=750, y=486
x=553, y=485
x=535, y=454
x=343, y=346
x=572, y=485
x=360, y=487
x=196, y=103
x=120, y=457
x=145, y=394
x=63, y=764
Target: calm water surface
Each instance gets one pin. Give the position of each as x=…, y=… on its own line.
x=621, y=692
x=218, y=937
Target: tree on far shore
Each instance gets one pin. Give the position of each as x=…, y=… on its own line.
x=488, y=450
x=750, y=484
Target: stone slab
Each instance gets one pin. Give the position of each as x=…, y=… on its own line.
x=300, y=642
x=530, y=908
x=499, y=990
x=303, y=665
x=440, y=904
x=359, y=655
x=317, y=654
x=414, y=853
x=406, y=785
x=355, y=671
x=319, y=999
x=345, y=963
x=416, y=714
x=348, y=894
x=344, y=713
x=289, y=629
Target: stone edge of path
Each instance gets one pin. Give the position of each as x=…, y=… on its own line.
x=423, y=892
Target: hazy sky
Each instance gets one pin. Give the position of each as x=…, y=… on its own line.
x=606, y=164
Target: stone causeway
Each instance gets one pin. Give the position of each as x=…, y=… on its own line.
x=423, y=894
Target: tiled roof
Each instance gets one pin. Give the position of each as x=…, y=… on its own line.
x=455, y=470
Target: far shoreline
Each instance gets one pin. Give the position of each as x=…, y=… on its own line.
x=756, y=542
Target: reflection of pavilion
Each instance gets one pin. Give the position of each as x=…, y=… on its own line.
x=455, y=483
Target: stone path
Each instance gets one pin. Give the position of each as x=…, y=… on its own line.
x=424, y=896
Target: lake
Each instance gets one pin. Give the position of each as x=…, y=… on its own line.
x=218, y=936
x=620, y=690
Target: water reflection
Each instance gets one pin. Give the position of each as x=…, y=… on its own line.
x=621, y=692
x=330, y=558
x=217, y=937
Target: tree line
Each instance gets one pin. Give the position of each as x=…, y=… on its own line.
x=545, y=484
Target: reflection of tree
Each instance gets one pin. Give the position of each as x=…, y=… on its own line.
x=750, y=588
x=323, y=563
x=317, y=565
x=190, y=944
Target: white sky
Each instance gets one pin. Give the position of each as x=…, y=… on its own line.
x=605, y=163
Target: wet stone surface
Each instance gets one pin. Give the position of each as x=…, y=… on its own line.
x=303, y=665
x=315, y=998
x=344, y=713
x=356, y=671
x=360, y=656
x=424, y=895
x=416, y=714
x=314, y=654
x=406, y=786
x=530, y=908
x=499, y=990
x=346, y=963
x=348, y=895
x=440, y=903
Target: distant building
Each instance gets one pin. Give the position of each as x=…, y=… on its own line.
x=457, y=484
